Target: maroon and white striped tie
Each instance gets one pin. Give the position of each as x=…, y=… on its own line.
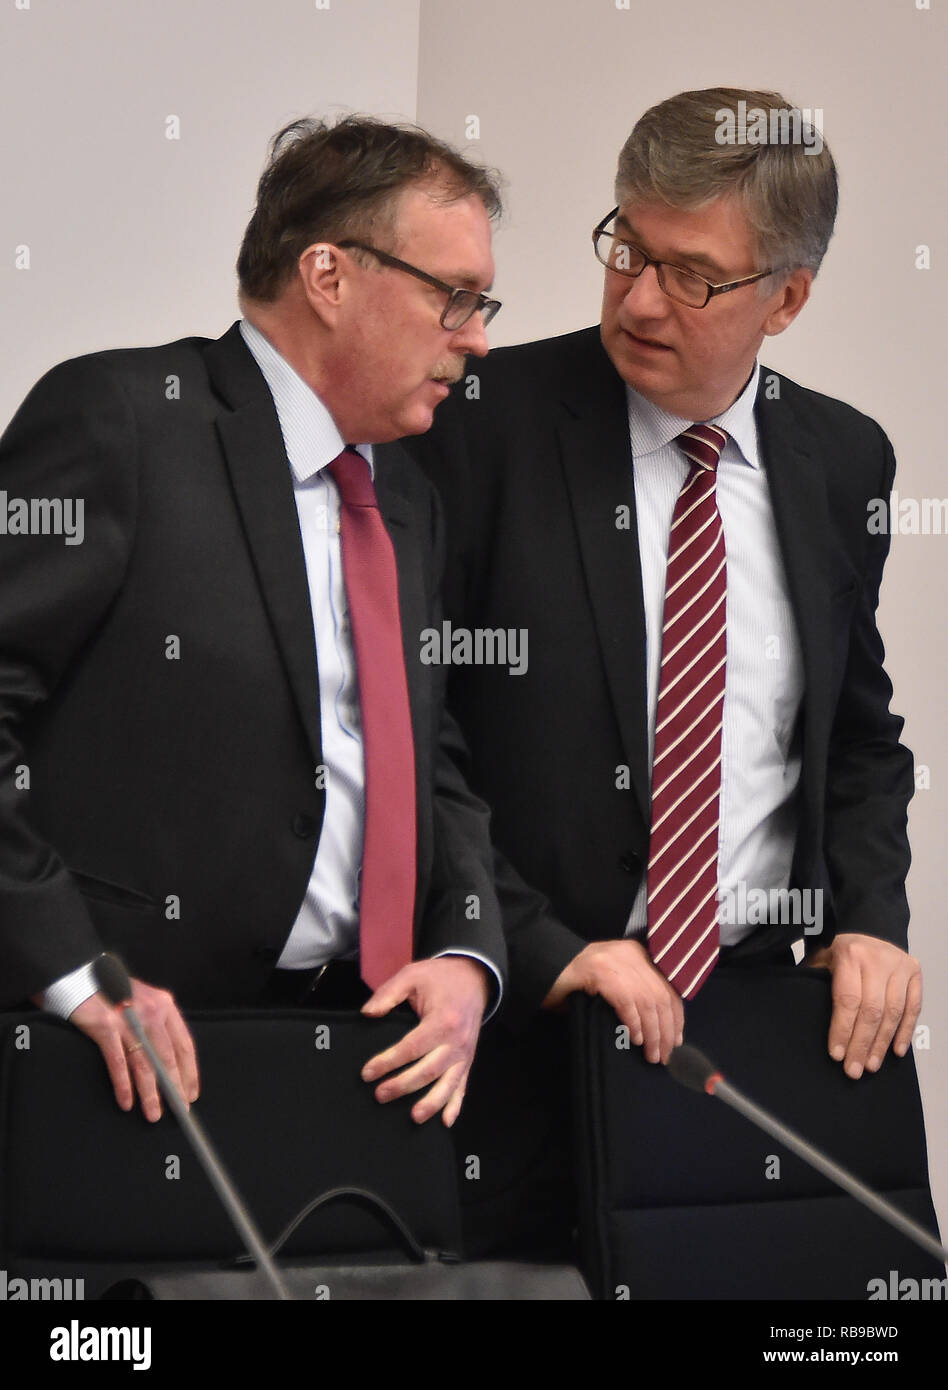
x=686, y=764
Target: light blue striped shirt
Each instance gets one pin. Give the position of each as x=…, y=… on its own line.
x=327, y=926
x=328, y=922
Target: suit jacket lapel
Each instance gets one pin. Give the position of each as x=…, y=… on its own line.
x=593, y=433
x=801, y=515
x=253, y=447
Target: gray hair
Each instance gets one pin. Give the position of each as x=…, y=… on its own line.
x=689, y=150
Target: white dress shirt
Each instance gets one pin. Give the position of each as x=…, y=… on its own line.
x=327, y=925
x=760, y=750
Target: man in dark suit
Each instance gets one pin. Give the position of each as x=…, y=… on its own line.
x=221, y=755
x=569, y=479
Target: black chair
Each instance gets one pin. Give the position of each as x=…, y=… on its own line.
x=89, y=1192
x=683, y=1198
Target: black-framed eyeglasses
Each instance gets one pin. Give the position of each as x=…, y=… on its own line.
x=461, y=305
x=684, y=286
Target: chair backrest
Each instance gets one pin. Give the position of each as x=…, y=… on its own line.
x=89, y=1191
x=683, y=1198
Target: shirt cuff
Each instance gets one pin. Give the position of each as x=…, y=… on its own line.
x=69, y=991
x=494, y=1004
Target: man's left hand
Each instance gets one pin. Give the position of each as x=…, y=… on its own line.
x=449, y=995
x=877, y=997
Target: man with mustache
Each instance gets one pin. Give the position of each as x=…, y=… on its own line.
x=683, y=534
x=241, y=777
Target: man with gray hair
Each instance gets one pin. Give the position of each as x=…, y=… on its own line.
x=705, y=721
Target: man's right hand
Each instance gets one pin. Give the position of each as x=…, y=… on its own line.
x=129, y=1068
x=623, y=973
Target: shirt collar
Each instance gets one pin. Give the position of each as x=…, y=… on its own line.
x=310, y=434
x=652, y=428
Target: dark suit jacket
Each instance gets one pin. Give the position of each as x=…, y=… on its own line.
x=532, y=474
x=159, y=683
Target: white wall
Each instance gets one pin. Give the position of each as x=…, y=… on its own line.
x=133, y=236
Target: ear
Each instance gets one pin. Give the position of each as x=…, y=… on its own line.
x=322, y=275
x=789, y=300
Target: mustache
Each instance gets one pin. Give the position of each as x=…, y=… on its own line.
x=451, y=371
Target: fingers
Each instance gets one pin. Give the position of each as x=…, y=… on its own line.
x=660, y=1022
x=439, y=1067
x=129, y=1069
x=877, y=996
x=892, y=1014
x=109, y=1038
x=433, y=1059
x=144, y=1080
x=452, y=1108
x=860, y=1009
x=449, y=995
x=677, y=1021
x=625, y=975
x=847, y=997
x=650, y=1019
x=390, y=994
x=169, y=1036
x=901, y=1007
x=632, y=1019
x=445, y=1096
x=105, y=1026
x=186, y=1055
x=447, y=1083
x=412, y=1046
x=913, y=1007
x=428, y=1068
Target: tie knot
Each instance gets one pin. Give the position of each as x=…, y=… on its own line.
x=702, y=444
x=353, y=479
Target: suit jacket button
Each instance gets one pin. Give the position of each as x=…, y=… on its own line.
x=303, y=825
x=630, y=863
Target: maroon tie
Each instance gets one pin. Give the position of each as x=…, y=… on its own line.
x=387, y=898
x=686, y=764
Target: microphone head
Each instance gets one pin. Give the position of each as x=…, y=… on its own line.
x=692, y=1068
x=112, y=978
